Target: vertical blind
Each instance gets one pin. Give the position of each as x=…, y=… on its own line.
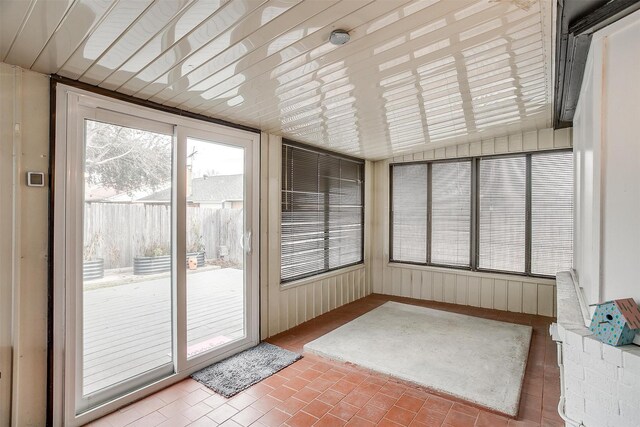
x=502, y=213
x=322, y=212
x=409, y=213
x=551, y=212
x=451, y=213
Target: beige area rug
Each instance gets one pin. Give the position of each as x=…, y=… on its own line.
x=478, y=360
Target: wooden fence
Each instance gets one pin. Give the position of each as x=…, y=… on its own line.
x=118, y=232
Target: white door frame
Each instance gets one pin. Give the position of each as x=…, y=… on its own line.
x=74, y=227
x=250, y=157
x=69, y=103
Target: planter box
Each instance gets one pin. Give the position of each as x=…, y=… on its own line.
x=198, y=255
x=151, y=264
x=93, y=269
x=159, y=264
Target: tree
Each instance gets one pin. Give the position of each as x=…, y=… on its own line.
x=126, y=159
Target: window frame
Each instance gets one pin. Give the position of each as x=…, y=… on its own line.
x=475, y=213
x=527, y=214
x=321, y=151
x=428, y=239
x=430, y=164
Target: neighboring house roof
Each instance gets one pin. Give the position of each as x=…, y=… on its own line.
x=98, y=194
x=105, y=194
x=207, y=189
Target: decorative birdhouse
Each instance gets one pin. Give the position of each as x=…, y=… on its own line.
x=616, y=322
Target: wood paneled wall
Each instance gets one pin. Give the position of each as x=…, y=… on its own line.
x=497, y=291
x=24, y=146
x=285, y=306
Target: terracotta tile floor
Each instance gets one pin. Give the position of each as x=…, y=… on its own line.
x=319, y=392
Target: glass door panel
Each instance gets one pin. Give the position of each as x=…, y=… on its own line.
x=126, y=294
x=215, y=222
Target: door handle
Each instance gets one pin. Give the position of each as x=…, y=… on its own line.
x=247, y=242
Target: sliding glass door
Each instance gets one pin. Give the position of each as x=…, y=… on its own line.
x=126, y=326
x=157, y=268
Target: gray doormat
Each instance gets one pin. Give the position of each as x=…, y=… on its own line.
x=239, y=372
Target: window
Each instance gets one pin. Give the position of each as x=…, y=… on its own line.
x=503, y=212
x=511, y=213
x=322, y=212
x=551, y=212
x=451, y=213
x=431, y=224
x=409, y=222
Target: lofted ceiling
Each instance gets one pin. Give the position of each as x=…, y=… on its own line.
x=416, y=74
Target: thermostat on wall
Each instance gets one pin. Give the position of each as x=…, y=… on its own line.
x=35, y=179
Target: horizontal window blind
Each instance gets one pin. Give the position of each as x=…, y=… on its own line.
x=322, y=212
x=342, y=180
x=451, y=213
x=502, y=213
x=524, y=213
x=551, y=212
x=409, y=213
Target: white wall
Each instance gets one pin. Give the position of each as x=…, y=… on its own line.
x=602, y=383
x=586, y=136
x=489, y=290
x=607, y=145
x=283, y=307
x=24, y=130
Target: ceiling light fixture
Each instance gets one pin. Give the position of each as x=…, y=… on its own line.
x=339, y=37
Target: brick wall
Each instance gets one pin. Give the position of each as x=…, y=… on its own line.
x=601, y=382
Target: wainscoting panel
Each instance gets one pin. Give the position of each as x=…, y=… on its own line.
x=488, y=290
x=309, y=299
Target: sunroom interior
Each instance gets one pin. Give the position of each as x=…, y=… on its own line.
x=423, y=203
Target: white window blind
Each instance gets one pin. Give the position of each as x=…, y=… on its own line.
x=322, y=212
x=524, y=213
x=551, y=212
x=342, y=180
x=451, y=213
x=502, y=213
x=409, y=213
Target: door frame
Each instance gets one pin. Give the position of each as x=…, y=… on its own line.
x=74, y=234
x=68, y=102
x=183, y=133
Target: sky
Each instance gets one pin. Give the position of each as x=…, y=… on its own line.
x=214, y=158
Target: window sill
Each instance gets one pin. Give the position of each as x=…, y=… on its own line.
x=471, y=273
x=321, y=276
